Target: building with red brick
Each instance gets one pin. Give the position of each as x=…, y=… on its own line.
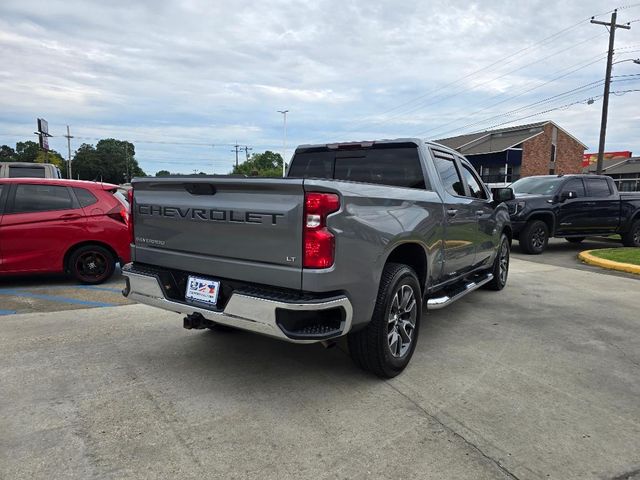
x=505, y=155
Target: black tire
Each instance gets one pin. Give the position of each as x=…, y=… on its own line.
x=373, y=348
x=500, y=268
x=91, y=264
x=575, y=239
x=632, y=237
x=534, y=237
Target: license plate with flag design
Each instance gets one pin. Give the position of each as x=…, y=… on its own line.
x=202, y=290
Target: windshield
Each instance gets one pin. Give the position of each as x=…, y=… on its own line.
x=536, y=185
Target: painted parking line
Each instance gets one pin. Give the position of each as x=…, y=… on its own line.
x=52, y=298
x=62, y=287
x=65, y=287
x=7, y=312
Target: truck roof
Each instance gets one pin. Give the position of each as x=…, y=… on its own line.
x=368, y=143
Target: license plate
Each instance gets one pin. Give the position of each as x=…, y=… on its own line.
x=202, y=290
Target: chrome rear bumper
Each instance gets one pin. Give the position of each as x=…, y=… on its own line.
x=242, y=311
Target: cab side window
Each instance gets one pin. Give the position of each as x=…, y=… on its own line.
x=575, y=185
x=475, y=189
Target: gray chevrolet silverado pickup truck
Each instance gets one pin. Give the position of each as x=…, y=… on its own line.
x=356, y=241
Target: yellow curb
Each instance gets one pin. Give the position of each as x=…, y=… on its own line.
x=586, y=257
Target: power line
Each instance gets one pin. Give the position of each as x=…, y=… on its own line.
x=526, y=107
x=563, y=107
x=364, y=120
x=524, y=92
x=587, y=86
x=439, y=98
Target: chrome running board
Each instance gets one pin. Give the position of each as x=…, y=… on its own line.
x=437, y=303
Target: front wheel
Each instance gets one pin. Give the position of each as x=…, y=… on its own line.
x=632, y=237
x=500, y=268
x=534, y=237
x=386, y=344
x=91, y=264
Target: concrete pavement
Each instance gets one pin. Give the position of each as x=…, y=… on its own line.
x=537, y=381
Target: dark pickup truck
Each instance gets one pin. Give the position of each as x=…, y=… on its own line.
x=355, y=242
x=572, y=207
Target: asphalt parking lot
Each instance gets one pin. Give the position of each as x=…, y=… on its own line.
x=537, y=381
x=57, y=293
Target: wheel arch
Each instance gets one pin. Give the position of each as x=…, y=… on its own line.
x=508, y=231
x=546, y=217
x=412, y=254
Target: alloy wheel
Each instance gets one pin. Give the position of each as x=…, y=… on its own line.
x=538, y=238
x=91, y=265
x=503, y=262
x=402, y=321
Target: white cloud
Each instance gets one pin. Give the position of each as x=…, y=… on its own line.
x=216, y=72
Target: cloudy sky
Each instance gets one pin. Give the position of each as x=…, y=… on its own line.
x=185, y=80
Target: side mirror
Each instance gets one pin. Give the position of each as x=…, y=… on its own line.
x=502, y=194
x=568, y=196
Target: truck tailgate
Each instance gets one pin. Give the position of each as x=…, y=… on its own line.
x=236, y=228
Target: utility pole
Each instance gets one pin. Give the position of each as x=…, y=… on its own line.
x=284, y=141
x=246, y=152
x=68, y=137
x=612, y=26
x=237, y=150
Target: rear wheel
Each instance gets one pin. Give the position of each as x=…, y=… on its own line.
x=575, y=239
x=385, y=346
x=500, y=266
x=632, y=237
x=91, y=264
x=534, y=237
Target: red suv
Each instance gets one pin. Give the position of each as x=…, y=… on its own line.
x=72, y=226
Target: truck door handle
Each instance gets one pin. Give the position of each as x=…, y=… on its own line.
x=452, y=212
x=479, y=212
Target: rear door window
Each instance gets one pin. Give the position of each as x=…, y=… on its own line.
x=41, y=198
x=475, y=189
x=597, y=187
x=449, y=175
x=399, y=166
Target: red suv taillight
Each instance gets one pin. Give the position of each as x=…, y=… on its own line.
x=130, y=224
x=120, y=213
x=319, y=242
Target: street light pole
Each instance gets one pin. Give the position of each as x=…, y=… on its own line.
x=284, y=141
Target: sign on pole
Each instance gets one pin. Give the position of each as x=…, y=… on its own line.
x=43, y=134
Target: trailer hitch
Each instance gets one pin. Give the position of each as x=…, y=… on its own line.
x=196, y=321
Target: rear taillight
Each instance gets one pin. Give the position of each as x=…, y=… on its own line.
x=130, y=223
x=120, y=213
x=319, y=242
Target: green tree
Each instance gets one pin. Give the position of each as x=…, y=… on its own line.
x=163, y=173
x=7, y=154
x=52, y=157
x=111, y=161
x=266, y=164
x=26, y=151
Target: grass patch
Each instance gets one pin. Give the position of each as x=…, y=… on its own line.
x=624, y=255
